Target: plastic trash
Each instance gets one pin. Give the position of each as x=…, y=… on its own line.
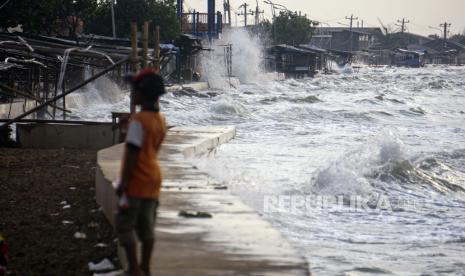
x=112, y=273
x=79, y=235
x=105, y=264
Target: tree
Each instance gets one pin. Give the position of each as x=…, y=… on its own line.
x=291, y=28
x=70, y=17
x=263, y=31
x=50, y=17
x=162, y=13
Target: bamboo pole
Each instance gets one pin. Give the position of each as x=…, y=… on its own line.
x=82, y=84
x=157, y=49
x=26, y=95
x=145, y=42
x=132, y=106
x=45, y=121
x=134, y=46
x=64, y=100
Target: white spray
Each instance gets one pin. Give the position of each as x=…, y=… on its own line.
x=247, y=60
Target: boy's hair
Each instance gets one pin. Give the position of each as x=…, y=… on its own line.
x=149, y=84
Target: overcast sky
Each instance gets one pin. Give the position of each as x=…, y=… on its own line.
x=421, y=13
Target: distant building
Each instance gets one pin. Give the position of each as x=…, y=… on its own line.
x=293, y=61
x=343, y=39
x=444, y=52
x=403, y=40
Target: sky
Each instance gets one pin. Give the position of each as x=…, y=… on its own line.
x=422, y=14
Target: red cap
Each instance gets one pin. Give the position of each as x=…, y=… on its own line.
x=142, y=73
x=134, y=78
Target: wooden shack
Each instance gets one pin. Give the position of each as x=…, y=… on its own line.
x=292, y=61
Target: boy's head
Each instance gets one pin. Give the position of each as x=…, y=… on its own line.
x=147, y=85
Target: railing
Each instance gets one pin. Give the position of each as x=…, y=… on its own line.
x=200, y=24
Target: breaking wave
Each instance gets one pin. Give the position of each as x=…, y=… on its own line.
x=382, y=162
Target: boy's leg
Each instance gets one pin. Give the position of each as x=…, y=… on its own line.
x=131, y=255
x=145, y=231
x=147, y=248
x=125, y=223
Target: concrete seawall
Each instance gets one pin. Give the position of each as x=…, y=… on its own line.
x=234, y=241
x=71, y=136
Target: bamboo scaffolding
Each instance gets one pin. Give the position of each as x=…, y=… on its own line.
x=13, y=93
x=145, y=42
x=54, y=99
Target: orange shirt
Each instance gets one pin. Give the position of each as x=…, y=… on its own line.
x=147, y=129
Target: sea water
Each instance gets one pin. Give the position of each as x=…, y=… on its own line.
x=391, y=133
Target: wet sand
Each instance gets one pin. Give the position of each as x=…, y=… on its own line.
x=35, y=187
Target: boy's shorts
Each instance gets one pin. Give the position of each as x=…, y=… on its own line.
x=138, y=218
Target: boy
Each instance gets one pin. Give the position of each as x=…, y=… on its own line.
x=141, y=176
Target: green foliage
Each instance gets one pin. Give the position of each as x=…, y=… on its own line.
x=263, y=31
x=291, y=28
x=48, y=17
x=162, y=13
x=52, y=17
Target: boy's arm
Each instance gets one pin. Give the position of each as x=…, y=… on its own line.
x=134, y=140
x=130, y=162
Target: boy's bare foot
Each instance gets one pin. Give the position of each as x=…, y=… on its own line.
x=135, y=272
x=145, y=270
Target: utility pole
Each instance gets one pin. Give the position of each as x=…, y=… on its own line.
x=245, y=13
x=403, y=23
x=229, y=13
x=351, y=18
x=113, y=17
x=257, y=14
x=445, y=25
x=227, y=10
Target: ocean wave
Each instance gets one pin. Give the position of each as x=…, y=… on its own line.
x=380, y=162
x=308, y=99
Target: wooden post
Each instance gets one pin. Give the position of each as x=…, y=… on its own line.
x=46, y=83
x=132, y=106
x=55, y=94
x=64, y=101
x=145, y=41
x=157, y=49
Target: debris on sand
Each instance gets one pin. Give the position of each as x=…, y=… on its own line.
x=105, y=264
x=80, y=236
